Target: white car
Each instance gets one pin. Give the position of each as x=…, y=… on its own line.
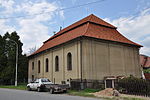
x=38, y=84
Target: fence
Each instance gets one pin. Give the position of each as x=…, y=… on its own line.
x=134, y=86
x=83, y=84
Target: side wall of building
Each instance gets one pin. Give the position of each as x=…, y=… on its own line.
x=63, y=74
x=99, y=59
x=102, y=59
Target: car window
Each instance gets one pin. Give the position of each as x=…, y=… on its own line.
x=45, y=80
x=36, y=81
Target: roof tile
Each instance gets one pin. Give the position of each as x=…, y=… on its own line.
x=90, y=26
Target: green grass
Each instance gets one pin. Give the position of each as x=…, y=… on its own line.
x=80, y=93
x=84, y=93
x=121, y=98
x=19, y=87
x=131, y=98
x=90, y=90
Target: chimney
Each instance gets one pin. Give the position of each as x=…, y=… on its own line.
x=60, y=28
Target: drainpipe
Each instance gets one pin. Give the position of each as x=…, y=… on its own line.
x=81, y=84
x=81, y=58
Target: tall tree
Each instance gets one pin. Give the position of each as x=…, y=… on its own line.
x=9, y=52
x=3, y=58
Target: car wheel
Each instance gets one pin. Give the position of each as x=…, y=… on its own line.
x=28, y=88
x=51, y=91
x=38, y=89
x=65, y=91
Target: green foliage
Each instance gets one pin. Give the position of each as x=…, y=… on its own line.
x=146, y=70
x=8, y=59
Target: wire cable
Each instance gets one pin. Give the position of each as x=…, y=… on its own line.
x=57, y=10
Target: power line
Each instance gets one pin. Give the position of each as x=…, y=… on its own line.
x=134, y=14
x=57, y=10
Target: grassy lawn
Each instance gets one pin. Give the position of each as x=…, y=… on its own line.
x=121, y=98
x=130, y=98
x=85, y=93
x=19, y=87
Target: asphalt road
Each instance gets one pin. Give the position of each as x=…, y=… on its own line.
x=10, y=94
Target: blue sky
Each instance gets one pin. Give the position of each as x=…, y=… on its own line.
x=36, y=20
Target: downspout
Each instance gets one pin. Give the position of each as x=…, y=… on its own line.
x=52, y=67
x=81, y=58
x=43, y=67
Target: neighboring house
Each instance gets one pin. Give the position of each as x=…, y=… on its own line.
x=145, y=64
x=89, y=49
x=145, y=61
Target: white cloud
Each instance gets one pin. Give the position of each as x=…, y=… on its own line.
x=136, y=29
x=7, y=5
x=32, y=33
x=5, y=28
x=35, y=8
x=32, y=30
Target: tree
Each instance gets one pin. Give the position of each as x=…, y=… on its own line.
x=32, y=50
x=3, y=58
x=8, y=66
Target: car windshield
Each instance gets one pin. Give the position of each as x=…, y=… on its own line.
x=45, y=80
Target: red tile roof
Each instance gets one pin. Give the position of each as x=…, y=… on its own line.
x=148, y=62
x=90, y=26
x=145, y=61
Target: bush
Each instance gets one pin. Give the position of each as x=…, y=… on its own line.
x=146, y=70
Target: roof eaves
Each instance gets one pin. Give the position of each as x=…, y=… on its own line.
x=37, y=53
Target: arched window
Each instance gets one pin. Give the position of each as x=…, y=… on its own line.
x=69, y=61
x=32, y=65
x=39, y=66
x=32, y=77
x=56, y=63
x=46, y=65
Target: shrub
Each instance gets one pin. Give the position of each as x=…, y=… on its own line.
x=146, y=70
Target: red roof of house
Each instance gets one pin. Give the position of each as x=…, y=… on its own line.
x=145, y=61
x=90, y=26
x=142, y=60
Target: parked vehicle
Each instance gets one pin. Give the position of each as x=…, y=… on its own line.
x=38, y=84
x=46, y=84
x=53, y=88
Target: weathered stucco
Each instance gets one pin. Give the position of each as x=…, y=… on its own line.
x=63, y=74
x=99, y=59
x=102, y=59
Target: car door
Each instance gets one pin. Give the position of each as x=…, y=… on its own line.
x=36, y=83
x=32, y=85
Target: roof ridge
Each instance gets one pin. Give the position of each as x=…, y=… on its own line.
x=80, y=22
x=56, y=35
